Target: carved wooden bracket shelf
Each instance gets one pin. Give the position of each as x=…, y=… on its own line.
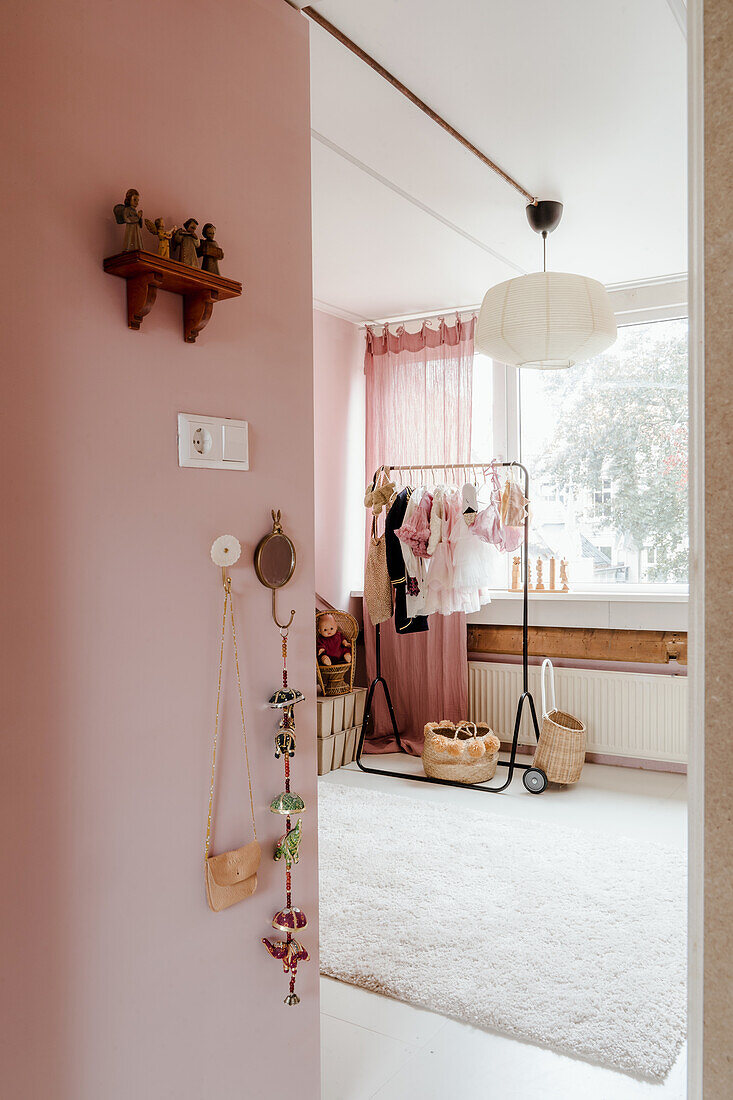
x=147, y=273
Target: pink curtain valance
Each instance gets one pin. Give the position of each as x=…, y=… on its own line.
x=444, y=335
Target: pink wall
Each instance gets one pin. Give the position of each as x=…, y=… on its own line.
x=120, y=982
x=340, y=426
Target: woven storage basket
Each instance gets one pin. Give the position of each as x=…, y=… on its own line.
x=561, y=748
x=465, y=753
x=339, y=679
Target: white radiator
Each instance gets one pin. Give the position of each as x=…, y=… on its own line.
x=631, y=714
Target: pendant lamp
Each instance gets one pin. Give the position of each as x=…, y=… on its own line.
x=549, y=319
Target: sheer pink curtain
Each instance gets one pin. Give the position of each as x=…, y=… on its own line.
x=418, y=411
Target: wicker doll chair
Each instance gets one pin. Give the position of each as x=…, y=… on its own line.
x=339, y=679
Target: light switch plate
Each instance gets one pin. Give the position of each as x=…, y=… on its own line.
x=213, y=442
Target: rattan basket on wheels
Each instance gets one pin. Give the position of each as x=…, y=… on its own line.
x=560, y=750
x=339, y=679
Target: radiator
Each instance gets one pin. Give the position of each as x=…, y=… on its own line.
x=631, y=714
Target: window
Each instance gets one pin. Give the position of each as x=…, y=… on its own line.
x=602, y=497
x=606, y=446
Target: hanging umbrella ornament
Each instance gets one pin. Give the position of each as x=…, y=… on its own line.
x=291, y=919
x=285, y=696
x=286, y=803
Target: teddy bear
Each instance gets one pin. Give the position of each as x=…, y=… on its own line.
x=332, y=646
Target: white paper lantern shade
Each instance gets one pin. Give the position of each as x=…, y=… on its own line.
x=547, y=320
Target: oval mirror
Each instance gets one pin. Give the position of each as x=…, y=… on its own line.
x=275, y=563
x=275, y=560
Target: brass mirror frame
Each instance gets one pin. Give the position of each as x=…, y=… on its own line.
x=276, y=530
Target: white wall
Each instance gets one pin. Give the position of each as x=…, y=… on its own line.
x=339, y=456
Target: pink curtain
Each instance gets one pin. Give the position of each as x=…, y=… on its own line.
x=418, y=411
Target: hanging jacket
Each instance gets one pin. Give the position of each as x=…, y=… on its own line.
x=404, y=624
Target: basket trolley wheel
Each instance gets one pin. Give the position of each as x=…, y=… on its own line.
x=535, y=780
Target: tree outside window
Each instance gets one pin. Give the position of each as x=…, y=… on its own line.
x=610, y=437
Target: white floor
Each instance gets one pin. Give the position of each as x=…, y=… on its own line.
x=372, y=1046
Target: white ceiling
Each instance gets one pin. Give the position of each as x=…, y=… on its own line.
x=580, y=100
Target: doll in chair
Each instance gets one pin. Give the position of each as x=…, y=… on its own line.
x=332, y=647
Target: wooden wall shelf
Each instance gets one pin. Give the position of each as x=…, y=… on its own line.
x=147, y=273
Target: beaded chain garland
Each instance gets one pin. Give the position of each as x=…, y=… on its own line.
x=291, y=919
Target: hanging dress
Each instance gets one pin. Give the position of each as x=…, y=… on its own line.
x=404, y=623
x=472, y=565
x=413, y=539
x=440, y=594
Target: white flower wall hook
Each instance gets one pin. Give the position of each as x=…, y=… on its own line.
x=225, y=551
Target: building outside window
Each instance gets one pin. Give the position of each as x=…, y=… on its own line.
x=602, y=497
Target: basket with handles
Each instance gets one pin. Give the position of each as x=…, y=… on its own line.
x=466, y=752
x=560, y=750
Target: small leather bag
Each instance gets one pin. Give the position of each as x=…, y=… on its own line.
x=231, y=876
x=513, y=502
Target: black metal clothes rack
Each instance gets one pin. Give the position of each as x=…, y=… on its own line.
x=534, y=779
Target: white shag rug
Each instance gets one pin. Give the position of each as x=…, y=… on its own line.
x=569, y=939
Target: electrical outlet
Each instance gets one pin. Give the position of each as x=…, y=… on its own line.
x=201, y=441
x=215, y=443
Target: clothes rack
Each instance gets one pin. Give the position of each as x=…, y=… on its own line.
x=534, y=779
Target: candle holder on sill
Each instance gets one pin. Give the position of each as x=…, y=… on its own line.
x=539, y=588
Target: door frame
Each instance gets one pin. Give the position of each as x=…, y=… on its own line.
x=696, y=632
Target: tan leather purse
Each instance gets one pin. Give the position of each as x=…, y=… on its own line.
x=231, y=876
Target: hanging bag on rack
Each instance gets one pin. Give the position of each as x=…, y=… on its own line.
x=560, y=750
x=377, y=585
x=513, y=502
x=231, y=876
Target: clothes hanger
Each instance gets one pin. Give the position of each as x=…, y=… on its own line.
x=469, y=499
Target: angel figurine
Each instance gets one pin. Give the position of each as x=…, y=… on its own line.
x=127, y=214
x=564, y=586
x=209, y=250
x=158, y=229
x=186, y=241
